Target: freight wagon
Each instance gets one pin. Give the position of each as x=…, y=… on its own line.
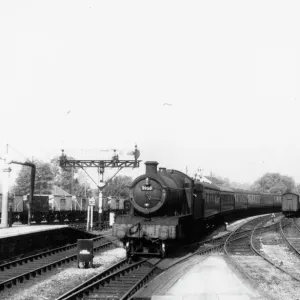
x=290, y=204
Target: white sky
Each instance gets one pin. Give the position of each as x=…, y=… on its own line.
x=230, y=69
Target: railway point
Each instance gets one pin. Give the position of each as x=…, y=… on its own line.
x=203, y=278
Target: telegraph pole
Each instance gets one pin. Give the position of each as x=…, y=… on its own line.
x=101, y=165
x=32, y=181
x=5, y=186
x=5, y=183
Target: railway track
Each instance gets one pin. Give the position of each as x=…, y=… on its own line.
x=124, y=279
x=291, y=271
x=216, y=245
x=16, y=271
x=251, y=245
x=238, y=242
x=120, y=281
x=291, y=234
x=96, y=226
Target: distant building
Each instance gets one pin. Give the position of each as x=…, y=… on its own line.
x=60, y=199
x=200, y=178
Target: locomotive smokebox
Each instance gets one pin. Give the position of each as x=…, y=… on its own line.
x=151, y=167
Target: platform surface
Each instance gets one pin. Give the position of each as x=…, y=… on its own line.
x=206, y=278
x=16, y=230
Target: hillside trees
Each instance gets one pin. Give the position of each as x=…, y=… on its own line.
x=223, y=181
x=65, y=179
x=48, y=175
x=274, y=183
x=118, y=187
x=43, y=179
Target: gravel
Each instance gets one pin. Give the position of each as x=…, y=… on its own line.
x=53, y=284
x=268, y=278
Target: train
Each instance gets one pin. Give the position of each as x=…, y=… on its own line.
x=290, y=204
x=61, y=208
x=168, y=207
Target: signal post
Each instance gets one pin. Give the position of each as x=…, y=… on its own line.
x=101, y=165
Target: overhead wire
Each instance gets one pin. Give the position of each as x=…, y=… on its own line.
x=19, y=153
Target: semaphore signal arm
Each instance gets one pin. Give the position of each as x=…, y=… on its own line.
x=99, y=163
x=102, y=164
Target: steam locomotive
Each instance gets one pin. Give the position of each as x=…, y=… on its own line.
x=169, y=207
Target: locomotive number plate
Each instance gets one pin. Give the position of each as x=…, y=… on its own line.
x=147, y=188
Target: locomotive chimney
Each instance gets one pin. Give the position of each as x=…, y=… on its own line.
x=151, y=167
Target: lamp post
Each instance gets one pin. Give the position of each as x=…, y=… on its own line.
x=5, y=182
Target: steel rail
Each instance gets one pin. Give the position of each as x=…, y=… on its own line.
x=42, y=254
x=95, y=281
x=7, y=283
x=269, y=260
x=236, y=231
x=214, y=248
x=286, y=239
x=296, y=225
x=103, y=278
x=140, y=284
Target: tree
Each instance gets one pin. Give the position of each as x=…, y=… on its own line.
x=297, y=189
x=118, y=187
x=64, y=178
x=43, y=179
x=273, y=183
x=241, y=186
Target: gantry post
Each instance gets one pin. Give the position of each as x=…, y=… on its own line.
x=101, y=165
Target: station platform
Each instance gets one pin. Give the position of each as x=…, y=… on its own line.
x=20, y=240
x=212, y=277
x=17, y=230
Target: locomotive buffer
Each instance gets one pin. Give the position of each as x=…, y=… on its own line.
x=101, y=165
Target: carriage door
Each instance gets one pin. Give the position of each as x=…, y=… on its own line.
x=62, y=204
x=290, y=204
